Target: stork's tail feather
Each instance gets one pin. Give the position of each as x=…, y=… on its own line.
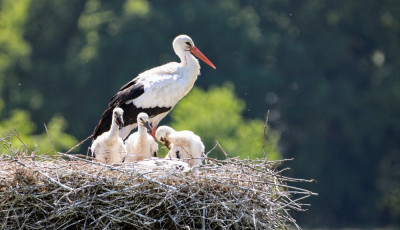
x=104, y=123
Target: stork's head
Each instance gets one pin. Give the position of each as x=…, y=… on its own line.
x=162, y=135
x=118, y=117
x=184, y=44
x=143, y=120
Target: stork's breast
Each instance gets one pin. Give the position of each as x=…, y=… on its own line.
x=163, y=92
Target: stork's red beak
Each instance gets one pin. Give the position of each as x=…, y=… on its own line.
x=200, y=55
x=153, y=132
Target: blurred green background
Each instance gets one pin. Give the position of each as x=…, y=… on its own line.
x=327, y=71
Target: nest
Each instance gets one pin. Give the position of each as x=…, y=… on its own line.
x=71, y=192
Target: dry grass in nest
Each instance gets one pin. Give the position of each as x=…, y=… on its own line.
x=70, y=192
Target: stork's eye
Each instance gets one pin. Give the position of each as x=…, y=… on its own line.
x=188, y=46
x=178, y=155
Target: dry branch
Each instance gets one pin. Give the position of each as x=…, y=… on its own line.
x=264, y=133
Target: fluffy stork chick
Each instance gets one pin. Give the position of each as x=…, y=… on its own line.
x=183, y=145
x=141, y=145
x=162, y=134
x=109, y=147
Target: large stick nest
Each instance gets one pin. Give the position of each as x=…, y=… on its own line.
x=70, y=192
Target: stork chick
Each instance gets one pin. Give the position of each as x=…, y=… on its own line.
x=109, y=147
x=183, y=145
x=141, y=145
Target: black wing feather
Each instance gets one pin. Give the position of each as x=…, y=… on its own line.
x=131, y=112
x=104, y=123
x=129, y=91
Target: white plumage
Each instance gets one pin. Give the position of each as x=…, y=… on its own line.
x=109, y=147
x=183, y=145
x=157, y=90
x=140, y=145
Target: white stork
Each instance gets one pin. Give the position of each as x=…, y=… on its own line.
x=184, y=145
x=156, y=91
x=109, y=147
x=140, y=145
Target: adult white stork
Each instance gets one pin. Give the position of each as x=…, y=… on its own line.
x=156, y=91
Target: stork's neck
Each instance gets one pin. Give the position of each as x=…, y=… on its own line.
x=142, y=137
x=142, y=130
x=190, y=69
x=191, y=63
x=113, y=130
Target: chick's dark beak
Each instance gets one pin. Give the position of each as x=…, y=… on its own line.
x=148, y=127
x=120, y=122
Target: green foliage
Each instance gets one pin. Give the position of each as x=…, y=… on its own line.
x=61, y=140
x=14, y=49
x=12, y=44
x=216, y=115
x=20, y=122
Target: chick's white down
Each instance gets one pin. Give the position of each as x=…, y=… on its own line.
x=141, y=145
x=109, y=148
x=184, y=145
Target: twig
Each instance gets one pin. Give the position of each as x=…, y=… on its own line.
x=80, y=143
x=92, y=162
x=212, y=149
x=51, y=141
x=222, y=149
x=44, y=174
x=264, y=136
x=16, y=134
